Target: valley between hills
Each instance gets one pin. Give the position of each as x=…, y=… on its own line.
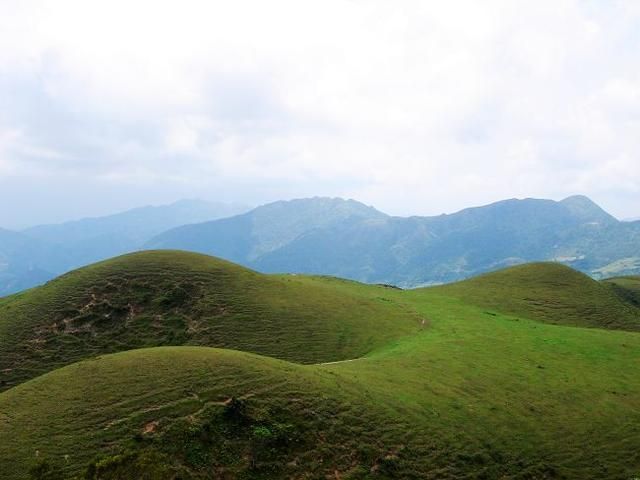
x=175, y=365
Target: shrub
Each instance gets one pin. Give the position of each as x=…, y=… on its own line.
x=46, y=470
x=143, y=465
x=236, y=409
x=262, y=433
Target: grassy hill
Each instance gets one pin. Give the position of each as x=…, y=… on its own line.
x=550, y=292
x=177, y=298
x=178, y=401
x=476, y=391
x=543, y=401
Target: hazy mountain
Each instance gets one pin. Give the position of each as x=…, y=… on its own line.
x=97, y=238
x=338, y=237
x=25, y=262
x=348, y=239
x=246, y=238
x=37, y=254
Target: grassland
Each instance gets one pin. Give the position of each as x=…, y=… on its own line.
x=550, y=292
x=627, y=288
x=161, y=298
x=490, y=385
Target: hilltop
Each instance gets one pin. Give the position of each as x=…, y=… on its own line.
x=554, y=293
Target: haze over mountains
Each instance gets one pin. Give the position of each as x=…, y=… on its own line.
x=332, y=236
x=37, y=254
x=347, y=239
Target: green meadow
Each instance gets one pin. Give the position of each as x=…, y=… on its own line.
x=169, y=365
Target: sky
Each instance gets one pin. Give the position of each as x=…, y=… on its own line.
x=415, y=107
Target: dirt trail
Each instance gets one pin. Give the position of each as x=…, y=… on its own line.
x=341, y=361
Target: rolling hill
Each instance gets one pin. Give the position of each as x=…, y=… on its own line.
x=177, y=298
x=350, y=240
x=495, y=377
x=554, y=293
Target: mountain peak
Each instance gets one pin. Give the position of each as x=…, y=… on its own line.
x=586, y=209
x=337, y=205
x=579, y=199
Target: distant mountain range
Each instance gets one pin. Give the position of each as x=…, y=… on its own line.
x=332, y=236
x=348, y=239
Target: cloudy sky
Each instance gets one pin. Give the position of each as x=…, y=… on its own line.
x=416, y=107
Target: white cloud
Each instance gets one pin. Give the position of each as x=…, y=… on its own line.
x=416, y=107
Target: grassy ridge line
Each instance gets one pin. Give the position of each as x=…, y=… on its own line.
x=161, y=298
x=551, y=293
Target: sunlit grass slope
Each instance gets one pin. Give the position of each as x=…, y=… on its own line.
x=473, y=396
x=206, y=408
x=476, y=392
x=549, y=292
x=176, y=298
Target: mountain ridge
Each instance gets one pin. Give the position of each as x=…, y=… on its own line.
x=413, y=251
x=340, y=237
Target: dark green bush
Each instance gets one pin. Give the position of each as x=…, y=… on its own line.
x=46, y=470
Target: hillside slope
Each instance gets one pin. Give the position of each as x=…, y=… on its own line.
x=549, y=292
x=628, y=288
x=177, y=298
x=473, y=396
x=475, y=380
x=178, y=400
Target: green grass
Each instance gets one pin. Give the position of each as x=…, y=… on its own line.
x=478, y=391
x=161, y=298
x=549, y=292
x=627, y=288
